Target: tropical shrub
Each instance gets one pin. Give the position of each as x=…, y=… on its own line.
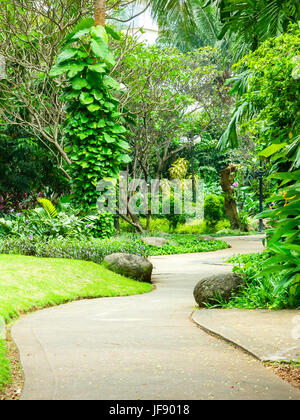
x=173, y=218
x=37, y=223
x=284, y=238
x=261, y=289
x=268, y=88
x=27, y=169
x=196, y=227
x=214, y=210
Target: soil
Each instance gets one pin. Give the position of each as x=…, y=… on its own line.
x=287, y=371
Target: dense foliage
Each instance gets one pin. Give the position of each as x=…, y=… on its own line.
x=262, y=290
x=95, y=250
x=214, y=210
x=268, y=87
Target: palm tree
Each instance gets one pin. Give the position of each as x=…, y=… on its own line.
x=176, y=9
x=204, y=30
x=100, y=9
x=252, y=22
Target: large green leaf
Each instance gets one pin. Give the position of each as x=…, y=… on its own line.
x=81, y=33
x=99, y=68
x=99, y=33
x=110, y=82
x=99, y=48
x=271, y=150
x=79, y=83
x=59, y=70
x=86, y=98
x=108, y=138
x=113, y=33
x=93, y=108
x=125, y=159
x=118, y=129
x=66, y=54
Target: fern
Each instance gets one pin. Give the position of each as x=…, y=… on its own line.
x=48, y=207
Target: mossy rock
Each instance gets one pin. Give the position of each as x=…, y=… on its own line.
x=129, y=265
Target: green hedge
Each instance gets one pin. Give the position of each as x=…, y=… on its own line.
x=96, y=249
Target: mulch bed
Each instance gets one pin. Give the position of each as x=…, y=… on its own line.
x=287, y=371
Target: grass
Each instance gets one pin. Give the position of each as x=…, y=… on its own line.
x=186, y=244
x=29, y=283
x=5, y=371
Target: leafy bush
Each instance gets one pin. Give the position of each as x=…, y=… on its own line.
x=157, y=224
x=284, y=240
x=214, y=210
x=223, y=224
x=197, y=228
x=187, y=244
x=27, y=168
x=91, y=249
x=173, y=218
x=37, y=223
x=261, y=289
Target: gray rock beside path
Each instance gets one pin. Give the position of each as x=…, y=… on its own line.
x=222, y=285
x=208, y=238
x=129, y=265
x=155, y=241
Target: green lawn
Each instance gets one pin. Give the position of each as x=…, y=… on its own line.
x=28, y=283
x=5, y=373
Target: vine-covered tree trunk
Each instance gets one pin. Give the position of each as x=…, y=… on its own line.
x=100, y=9
x=227, y=179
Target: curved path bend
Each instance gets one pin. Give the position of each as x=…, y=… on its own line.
x=142, y=347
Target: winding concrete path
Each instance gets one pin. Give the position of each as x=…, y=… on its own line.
x=142, y=347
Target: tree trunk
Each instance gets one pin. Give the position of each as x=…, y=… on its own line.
x=227, y=179
x=148, y=221
x=100, y=9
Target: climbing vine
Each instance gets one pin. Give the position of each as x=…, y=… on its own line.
x=94, y=128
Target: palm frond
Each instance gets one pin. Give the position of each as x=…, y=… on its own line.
x=48, y=207
x=163, y=10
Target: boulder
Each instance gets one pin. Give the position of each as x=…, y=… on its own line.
x=222, y=285
x=208, y=238
x=155, y=241
x=165, y=234
x=129, y=265
x=249, y=228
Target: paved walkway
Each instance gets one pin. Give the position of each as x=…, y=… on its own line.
x=142, y=347
x=267, y=335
